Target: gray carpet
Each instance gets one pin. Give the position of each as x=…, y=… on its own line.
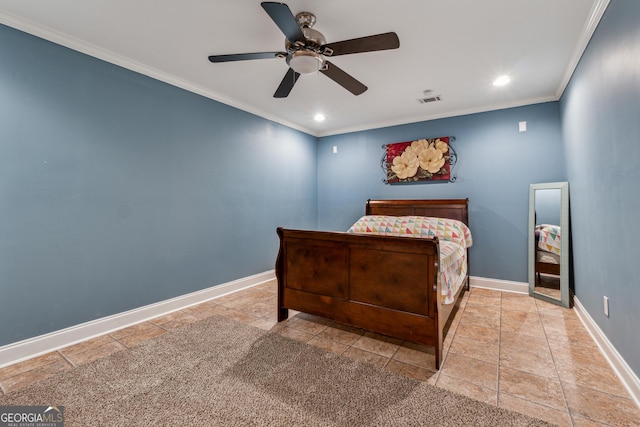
x=222, y=372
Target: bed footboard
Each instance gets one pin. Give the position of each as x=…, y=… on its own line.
x=384, y=284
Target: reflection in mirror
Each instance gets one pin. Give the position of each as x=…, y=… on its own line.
x=548, y=242
x=547, y=247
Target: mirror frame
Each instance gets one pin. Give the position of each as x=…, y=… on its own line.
x=564, y=244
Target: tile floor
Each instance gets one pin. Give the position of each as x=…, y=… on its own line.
x=505, y=349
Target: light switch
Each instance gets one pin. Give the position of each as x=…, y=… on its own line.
x=522, y=126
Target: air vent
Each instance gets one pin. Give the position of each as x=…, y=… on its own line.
x=430, y=99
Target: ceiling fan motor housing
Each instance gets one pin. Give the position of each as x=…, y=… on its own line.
x=313, y=39
x=305, y=19
x=305, y=57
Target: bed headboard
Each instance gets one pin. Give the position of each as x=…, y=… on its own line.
x=441, y=208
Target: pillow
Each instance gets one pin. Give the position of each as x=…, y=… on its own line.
x=414, y=226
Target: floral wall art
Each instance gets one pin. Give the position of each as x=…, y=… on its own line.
x=419, y=160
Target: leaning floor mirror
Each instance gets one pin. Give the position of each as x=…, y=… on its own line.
x=549, y=242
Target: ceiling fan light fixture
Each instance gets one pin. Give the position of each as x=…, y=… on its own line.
x=305, y=62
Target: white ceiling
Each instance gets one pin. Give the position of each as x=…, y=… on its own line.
x=454, y=48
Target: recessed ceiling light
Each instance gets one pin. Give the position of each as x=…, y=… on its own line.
x=502, y=80
x=319, y=117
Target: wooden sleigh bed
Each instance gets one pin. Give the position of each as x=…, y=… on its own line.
x=385, y=284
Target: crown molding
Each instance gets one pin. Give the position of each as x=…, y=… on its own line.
x=597, y=12
x=81, y=46
x=57, y=37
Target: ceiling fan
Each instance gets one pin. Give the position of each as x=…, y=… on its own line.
x=306, y=50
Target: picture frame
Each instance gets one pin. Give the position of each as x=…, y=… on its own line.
x=421, y=160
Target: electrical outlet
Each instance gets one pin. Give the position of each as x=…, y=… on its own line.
x=606, y=306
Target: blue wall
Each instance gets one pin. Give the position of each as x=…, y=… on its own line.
x=496, y=164
x=600, y=113
x=548, y=206
x=117, y=190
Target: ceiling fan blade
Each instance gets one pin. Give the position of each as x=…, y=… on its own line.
x=363, y=44
x=246, y=56
x=343, y=79
x=284, y=19
x=286, y=84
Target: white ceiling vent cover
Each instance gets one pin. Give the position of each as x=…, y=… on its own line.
x=429, y=99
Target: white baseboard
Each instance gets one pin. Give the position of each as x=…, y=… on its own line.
x=499, y=285
x=628, y=378
x=36, y=346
